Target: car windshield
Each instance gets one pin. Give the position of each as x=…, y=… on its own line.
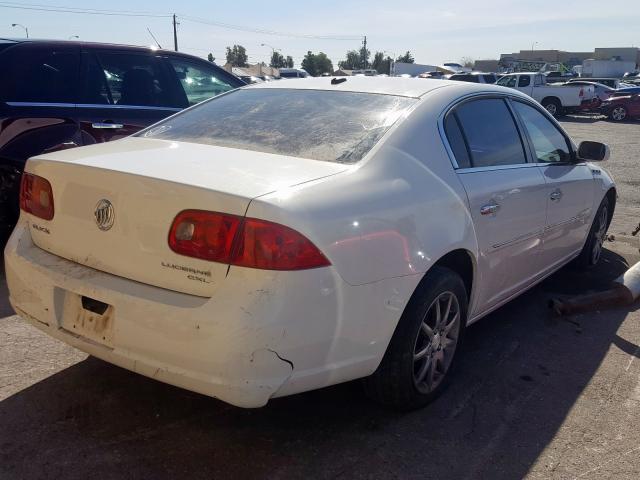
x=316, y=124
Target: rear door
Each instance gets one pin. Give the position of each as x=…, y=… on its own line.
x=38, y=91
x=507, y=195
x=570, y=186
x=124, y=91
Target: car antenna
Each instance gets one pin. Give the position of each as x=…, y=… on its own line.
x=154, y=37
x=336, y=81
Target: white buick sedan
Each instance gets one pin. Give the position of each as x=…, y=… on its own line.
x=292, y=235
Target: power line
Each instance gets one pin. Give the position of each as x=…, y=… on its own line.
x=83, y=11
x=266, y=31
x=133, y=13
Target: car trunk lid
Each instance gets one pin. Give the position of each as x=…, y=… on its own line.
x=147, y=183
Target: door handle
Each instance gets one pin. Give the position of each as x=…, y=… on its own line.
x=490, y=209
x=107, y=125
x=556, y=195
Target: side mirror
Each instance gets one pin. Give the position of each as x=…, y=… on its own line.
x=593, y=151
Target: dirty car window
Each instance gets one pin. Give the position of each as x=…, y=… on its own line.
x=316, y=124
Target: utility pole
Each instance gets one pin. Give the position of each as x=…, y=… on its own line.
x=364, y=51
x=175, y=34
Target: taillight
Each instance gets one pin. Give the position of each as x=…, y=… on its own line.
x=36, y=196
x=246, y=242
x=581, y=94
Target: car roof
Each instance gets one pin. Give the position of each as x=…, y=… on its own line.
x=399, y=86
x=82, y=43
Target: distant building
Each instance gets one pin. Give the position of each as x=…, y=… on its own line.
x=413, y=69
x=485, y=65
x=256, y=70
x=343, y=72
x=571, y=59
x=625, y=54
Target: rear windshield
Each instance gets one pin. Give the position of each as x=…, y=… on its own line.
x=317, y=124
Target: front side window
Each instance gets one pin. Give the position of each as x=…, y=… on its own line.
x=134, y=80
x=198, y=82
x=508, y=81
x=548, y=142
x=490, y=132
x=43, y=75
x=316, y=124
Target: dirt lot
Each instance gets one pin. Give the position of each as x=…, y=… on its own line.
x=534, y=396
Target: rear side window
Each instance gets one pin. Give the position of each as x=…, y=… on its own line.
x=524, y=81
x=466, y=78
x=39, y=74
x=317, y=124
x=489, y=78
x=131, y=80
x=457, y=141
x=489, y=129
x=199, y=82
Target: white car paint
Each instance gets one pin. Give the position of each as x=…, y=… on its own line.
x=250, y=335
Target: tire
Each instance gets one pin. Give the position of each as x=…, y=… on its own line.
x=553, y=106
x=619, y=113
x=592, y=250
x=419, y=359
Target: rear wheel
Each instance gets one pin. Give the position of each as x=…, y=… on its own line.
x=418, y=361
x=618, y=113
x=592, y=250
x=553, y=106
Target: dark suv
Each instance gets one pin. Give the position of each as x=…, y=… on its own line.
x=57, y=94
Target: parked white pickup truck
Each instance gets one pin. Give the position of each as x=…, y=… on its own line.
x=557, y=99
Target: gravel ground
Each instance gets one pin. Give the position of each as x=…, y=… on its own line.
x=534, y=396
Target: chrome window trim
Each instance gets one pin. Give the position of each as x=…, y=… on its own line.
x=492, y=168
x=91, y=105
x=40, y=104
x=445, y=140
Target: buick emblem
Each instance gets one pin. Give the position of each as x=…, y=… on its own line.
x=105, y=214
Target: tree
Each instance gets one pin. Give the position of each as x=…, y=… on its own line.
x=467, y=62
x=237, y=56
x=406, y=58
x=317, y=64
x=277, y=60
x=381, y=64
x=364, y=57
x=211, y=58
x=352, y=62
x=289, y=61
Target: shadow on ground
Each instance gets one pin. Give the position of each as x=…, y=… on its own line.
x=521, y=372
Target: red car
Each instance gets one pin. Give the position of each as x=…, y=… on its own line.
x=619, y=109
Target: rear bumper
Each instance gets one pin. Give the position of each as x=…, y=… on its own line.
x=263, y=334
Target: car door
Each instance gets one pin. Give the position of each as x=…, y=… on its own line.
x=570, y=185
x=123, y=92
x=38, y=87
x=506, y=194
x=634, y=106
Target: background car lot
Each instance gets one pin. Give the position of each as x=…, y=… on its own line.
x=536, y=395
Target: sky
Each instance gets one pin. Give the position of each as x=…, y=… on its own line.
x=434, y=32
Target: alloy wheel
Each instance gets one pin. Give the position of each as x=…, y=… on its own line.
x=436, y=342
x=599, y=235
x=618, y=113
x=552, y=108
